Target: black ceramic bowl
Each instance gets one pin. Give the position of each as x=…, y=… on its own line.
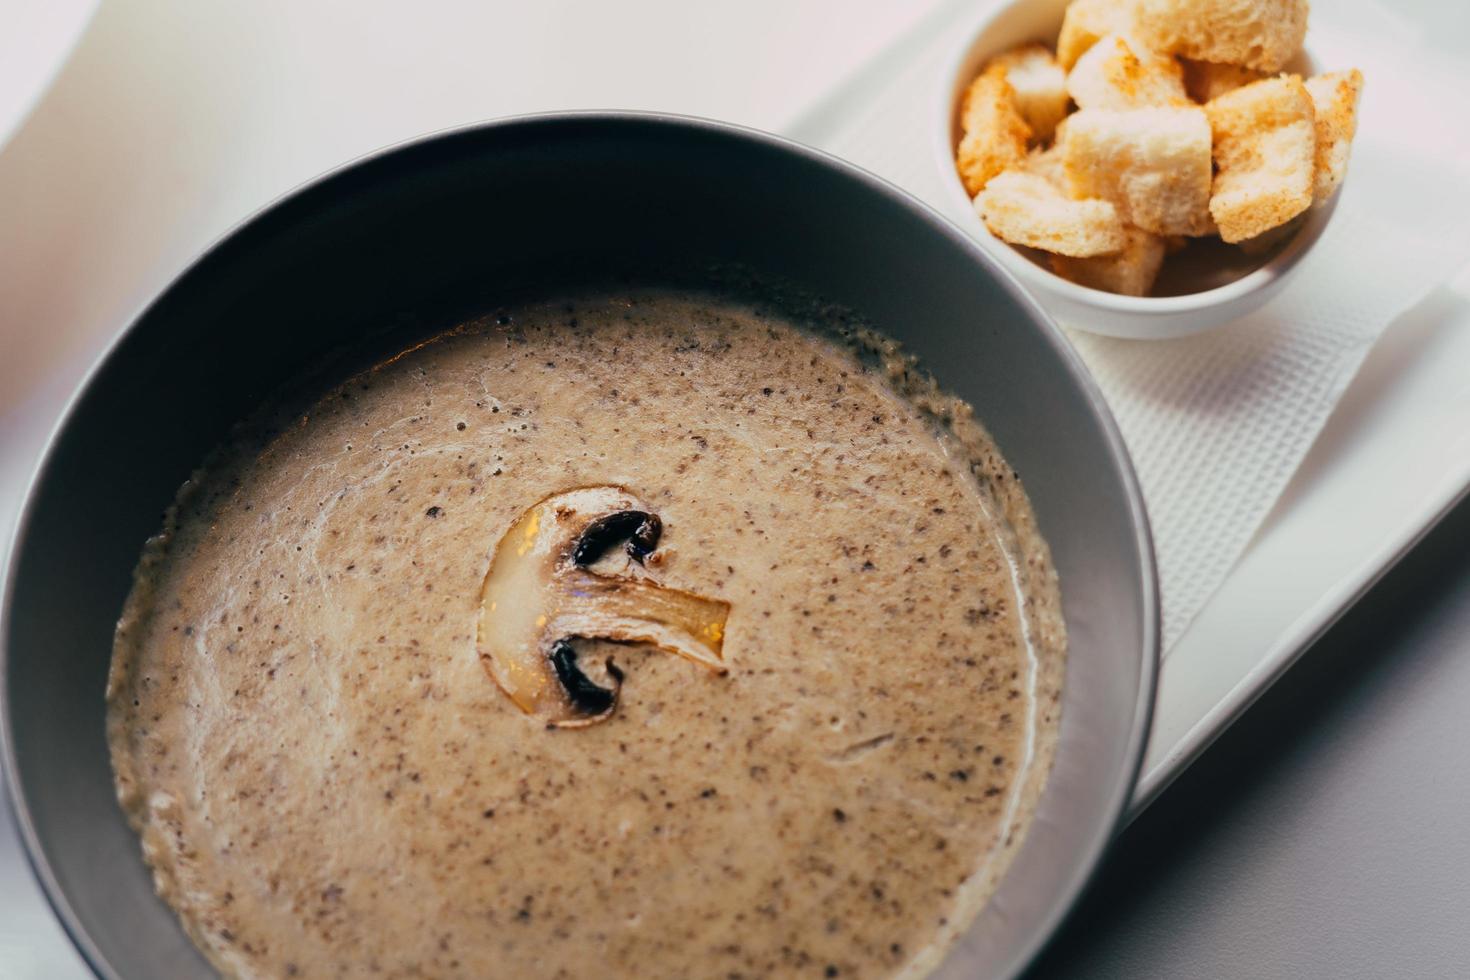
x=453, y=222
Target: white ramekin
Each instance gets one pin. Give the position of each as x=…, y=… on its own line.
x=1135, y=317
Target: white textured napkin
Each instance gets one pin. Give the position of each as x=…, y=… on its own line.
x=1218, y=423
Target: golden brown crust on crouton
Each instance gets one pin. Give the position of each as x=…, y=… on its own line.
x=1129, y=272
x=1027, y=209
x=1268, y=241
x=1087, y=21
x=995, y=135
x=1040, y=87
x=1118, y=72
x=1335, y=99
x=1265, y=151
x=1152, y=163
x=1206, y=80
x=1264, y=34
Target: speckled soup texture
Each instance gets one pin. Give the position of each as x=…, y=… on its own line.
x=327, y=782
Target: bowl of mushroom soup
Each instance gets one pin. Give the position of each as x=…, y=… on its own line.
x=502, y=228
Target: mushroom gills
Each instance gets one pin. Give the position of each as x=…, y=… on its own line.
x=538, y=597
x=581, y=691
x=639, y=528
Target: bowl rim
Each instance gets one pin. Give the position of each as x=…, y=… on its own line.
x=951, y=79
x=1115, y=810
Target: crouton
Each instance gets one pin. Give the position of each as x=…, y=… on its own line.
x=995, y=135
x=1152, y=163
x=1265, y=156
x=1129, y=272
x=1263, y=34
x=1048, y=163
x=1335, y=99
x=1027, y=209
x=1118, y=72
x=1040, y=87
x=1267, y=241
x=1206, y=80
x=1088, y=21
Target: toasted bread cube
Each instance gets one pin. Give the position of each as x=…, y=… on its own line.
x=1263, y=34
x=1048, y=163
x=1265, y=156
x=1088, y=21
x=995, y=135
x=1335, y=98
x=1128, y=272
x=1152, y=163
x=1040, y=87
x=1027, y=209
x=1267, y=241
x=1118, y=72
x=1206, y=80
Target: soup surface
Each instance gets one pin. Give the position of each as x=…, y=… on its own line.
x=318, y=727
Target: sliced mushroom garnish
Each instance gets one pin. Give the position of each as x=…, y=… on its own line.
x=541, y=595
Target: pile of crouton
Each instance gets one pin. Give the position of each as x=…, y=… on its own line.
x=1184, y=127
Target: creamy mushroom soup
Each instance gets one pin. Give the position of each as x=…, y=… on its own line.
x=647, y=634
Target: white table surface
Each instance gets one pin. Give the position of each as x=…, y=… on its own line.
x=1325, y=840
x=38, y=36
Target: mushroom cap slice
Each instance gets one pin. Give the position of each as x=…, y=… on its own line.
x=538, y=596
